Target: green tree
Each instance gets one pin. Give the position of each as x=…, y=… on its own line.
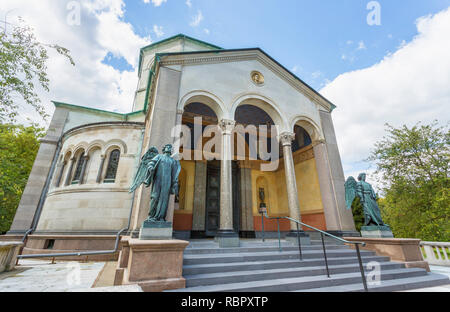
x=23, y=64
x=414, y=167
x=18, y=148
x=358, y=213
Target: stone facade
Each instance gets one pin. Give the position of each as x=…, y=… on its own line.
x=73, y=190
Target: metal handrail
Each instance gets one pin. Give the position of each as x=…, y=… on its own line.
x=80, y=253
x=322, y=233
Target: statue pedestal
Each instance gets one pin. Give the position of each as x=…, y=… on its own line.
x=153, y=230
x=155, y=265
x=376, y=231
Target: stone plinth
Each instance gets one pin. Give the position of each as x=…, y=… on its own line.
x=376, y=231
x=398, y=249
x=151, y=230
x=8, y=255
x=155, y=265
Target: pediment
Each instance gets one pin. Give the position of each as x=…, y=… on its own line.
x=239, y=55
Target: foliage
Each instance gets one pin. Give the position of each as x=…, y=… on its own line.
x=23, y=64
x=358, y=213
x=18, y=148
x=414, y=166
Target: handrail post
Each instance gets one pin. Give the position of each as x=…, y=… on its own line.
x=299, y=243
x=279, y=234
x=325, y=254
x=361, y=267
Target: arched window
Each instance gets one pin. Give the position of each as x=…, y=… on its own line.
x=113, y=163
x=79, y=171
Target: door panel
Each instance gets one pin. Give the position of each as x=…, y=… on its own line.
x=212, y=215
x=212, y=200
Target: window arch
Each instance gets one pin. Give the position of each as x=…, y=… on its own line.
x=113, y=164
x=79, y=169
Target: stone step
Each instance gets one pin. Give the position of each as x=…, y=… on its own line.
x=428, y=280
x=301, y=283
x=273, y=264
x=262, y=256
x=191, y=251
x=266, y=274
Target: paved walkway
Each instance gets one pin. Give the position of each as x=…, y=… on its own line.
x=42, y=276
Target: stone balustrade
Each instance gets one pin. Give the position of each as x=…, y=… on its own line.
x=436, y=253
x=8, y=255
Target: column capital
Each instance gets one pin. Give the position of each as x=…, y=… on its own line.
x=286, y=138
x=180, y=111
x=317, y=142
x=227, y=125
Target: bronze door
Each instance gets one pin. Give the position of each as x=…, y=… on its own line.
x=213, y=198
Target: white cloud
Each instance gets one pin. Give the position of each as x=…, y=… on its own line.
x=189, y=3
x=101, y=32
x=156, y=3
x=316, y=74
x=158, y=30
x=361, y=45
x=197, y=19
x=407, y=86
x=206, y=30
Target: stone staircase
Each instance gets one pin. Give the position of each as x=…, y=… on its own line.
x=261, y=267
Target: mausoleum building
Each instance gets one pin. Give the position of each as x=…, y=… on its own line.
x=77, y=196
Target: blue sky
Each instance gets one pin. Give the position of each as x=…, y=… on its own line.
x=396, y=73
x=317, y=39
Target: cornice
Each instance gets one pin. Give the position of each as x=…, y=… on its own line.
x=214, y=57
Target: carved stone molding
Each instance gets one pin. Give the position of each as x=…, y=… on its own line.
x=286, y=138
x=227, y=125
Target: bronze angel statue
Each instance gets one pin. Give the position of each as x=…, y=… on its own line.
x=143, y=170
x=161, y=171
x=365, y=192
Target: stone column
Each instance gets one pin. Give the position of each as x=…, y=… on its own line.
x=160, y=120
x=286, y=139
x=226, y=235
x=28, y=210
x=100, y=169
x=331, y=180
x=60, y=173
x=69, y=172
x=83, y=168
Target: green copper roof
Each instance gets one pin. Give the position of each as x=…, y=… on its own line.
x=96, y=110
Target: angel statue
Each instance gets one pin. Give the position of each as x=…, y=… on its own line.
x=161, y=171
x=365, y=192
x=143, y=170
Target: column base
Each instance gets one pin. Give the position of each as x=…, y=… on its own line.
x=292, y=238
x=227, y=239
